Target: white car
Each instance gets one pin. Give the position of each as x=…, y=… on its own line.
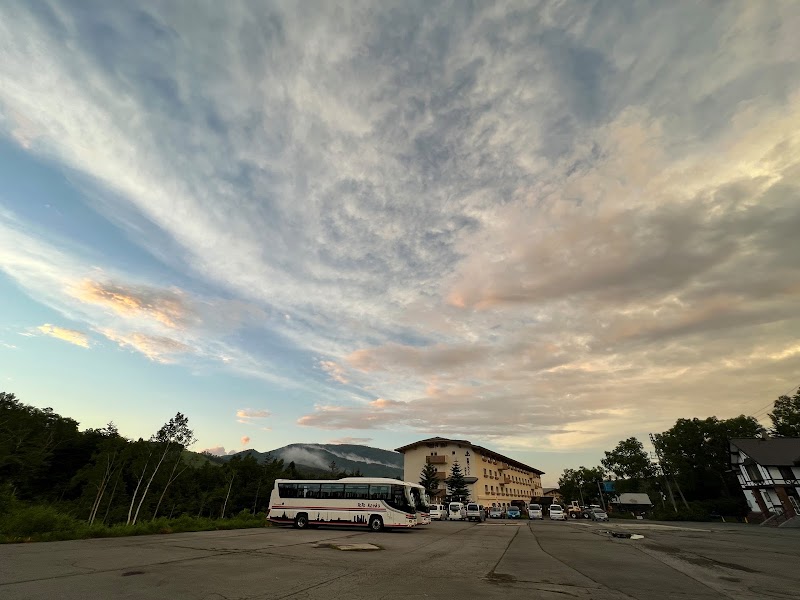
x=438, y=512
x=557, y=513
x=535, y=511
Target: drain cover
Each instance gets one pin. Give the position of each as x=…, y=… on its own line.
x=351, y=547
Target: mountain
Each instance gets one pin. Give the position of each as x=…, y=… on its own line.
x=315, y=459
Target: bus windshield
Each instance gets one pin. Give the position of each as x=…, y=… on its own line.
x=420, y=499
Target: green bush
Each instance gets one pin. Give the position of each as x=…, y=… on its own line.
x=705, y=510
x=32, y=520
x=47, y=524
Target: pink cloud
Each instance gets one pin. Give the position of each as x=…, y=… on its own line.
x=334, y=371
x=245, y=440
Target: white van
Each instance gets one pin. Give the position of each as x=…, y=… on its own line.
x=438, y=512
x=535, y=511
x=456, y=512
x=474, y=512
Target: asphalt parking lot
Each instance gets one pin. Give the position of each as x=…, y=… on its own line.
x=448, y=560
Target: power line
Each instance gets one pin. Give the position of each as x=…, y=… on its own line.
x=762, y=412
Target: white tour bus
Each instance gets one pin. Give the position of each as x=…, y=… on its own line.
x=422, y=503
x=373, y=502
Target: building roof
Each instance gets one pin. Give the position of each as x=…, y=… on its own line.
x=481, y=449
x=771, y=452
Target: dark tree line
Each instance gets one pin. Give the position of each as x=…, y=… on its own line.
x=102, y=477
x=691, y=467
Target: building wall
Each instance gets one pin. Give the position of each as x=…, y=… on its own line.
x=771, y=475
x=498, y=482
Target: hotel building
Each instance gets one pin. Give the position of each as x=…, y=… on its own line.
x=492, y=478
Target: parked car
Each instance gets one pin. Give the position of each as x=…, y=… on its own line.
x=535, y=511
x=557, y=513
x=474, y=512
x=438, y=512
x=456, y=511
x=495, y=512
x=598, y=514
x=513, y=512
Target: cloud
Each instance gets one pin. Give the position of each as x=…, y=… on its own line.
x=538, y=225
x=351, y=440
x=245, y=440
x=303, y=457
x=335, y=371
x=68, y=335
x=249, y=416
x=157, y=348
x=249, y=413
x=434, y=358
x=166, y=307
x=219, y=451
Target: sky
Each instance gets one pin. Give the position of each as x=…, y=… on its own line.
x=542, y=227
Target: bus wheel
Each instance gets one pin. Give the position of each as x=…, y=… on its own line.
x=375, y=523
x=301, y=521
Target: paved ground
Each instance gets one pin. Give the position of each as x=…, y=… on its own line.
x=448, y=560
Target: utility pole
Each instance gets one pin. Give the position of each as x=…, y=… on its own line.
x=661, y=468
x=602, y=500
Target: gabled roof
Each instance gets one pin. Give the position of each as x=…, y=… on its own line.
x=770, y=452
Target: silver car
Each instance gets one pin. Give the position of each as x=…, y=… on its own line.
x=598, y=514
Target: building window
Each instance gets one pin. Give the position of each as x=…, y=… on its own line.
x=787, y=474
x=484, y=472
x=454, y=452
x=487, y=489
x=754, y=473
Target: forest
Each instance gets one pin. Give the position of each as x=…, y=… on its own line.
x=60, y=482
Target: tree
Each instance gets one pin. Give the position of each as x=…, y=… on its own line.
x=630, y=463
x=456, y=484
x=40, y=451
x=428, y=479
x=105, y=466
x=785, y=416
x=697, y=453
x=580, y=484
x=174, y=432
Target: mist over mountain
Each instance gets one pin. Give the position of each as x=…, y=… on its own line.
x=312, y=458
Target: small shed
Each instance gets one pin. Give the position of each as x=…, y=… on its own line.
x=633, y=502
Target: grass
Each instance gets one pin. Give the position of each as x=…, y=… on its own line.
x=46, y=524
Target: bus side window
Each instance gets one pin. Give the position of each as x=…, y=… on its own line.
x=332, y=490
x=309, y=490
x=287, y=490
x=380, y=492
x=357, y=491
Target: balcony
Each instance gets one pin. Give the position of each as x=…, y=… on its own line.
x=769, y=482
x=504, y=480
x=436, y=460
x=441, y=475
